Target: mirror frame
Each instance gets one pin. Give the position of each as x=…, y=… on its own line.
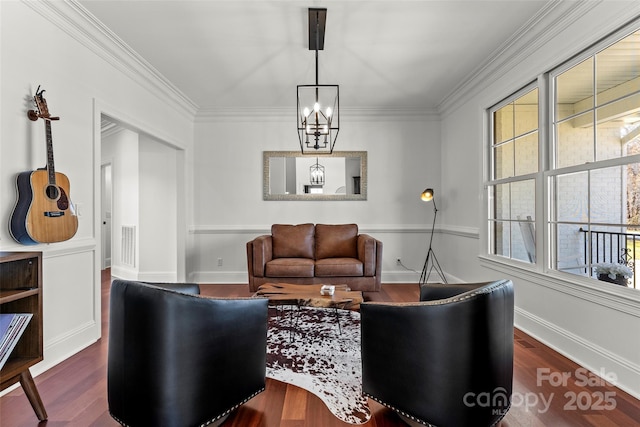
x=362, y=155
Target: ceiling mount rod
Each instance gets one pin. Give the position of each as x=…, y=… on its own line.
x=317, y=25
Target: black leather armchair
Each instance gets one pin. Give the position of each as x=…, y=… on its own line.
x=444, y=361
x=178, y=359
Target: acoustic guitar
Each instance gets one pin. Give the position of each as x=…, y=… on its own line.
x=43, y=212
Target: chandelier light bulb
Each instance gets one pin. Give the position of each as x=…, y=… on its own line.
x=328, y=111
x=316, y=107
x=305, y=112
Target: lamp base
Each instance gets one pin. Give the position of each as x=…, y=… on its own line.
x=431, y=264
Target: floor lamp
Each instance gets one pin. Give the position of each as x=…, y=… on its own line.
x=431, y=263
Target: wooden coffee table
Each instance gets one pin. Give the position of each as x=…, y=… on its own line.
x=281, y=294
x=309, y=296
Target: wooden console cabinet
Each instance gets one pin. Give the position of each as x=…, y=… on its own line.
x=21, y=292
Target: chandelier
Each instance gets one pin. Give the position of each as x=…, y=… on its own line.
x=318, y=105
x=316, y=174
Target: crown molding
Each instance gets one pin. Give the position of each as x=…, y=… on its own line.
x=288, y=114
x=551, y=20
x=82, y=26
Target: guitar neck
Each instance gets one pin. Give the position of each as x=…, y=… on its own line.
x=50, y=166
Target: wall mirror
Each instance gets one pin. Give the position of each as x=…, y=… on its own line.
x=290, y=175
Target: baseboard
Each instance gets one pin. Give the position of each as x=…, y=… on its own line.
x=219, y=277
x=126, y=273
x=586, y=354
x=158, y=276
x=239, y=277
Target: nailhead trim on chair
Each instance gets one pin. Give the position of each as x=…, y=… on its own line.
x=411, y=417
x=418, y=420
x=227, y=412
x=483, y=290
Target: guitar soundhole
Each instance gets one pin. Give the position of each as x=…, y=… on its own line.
x=52, y=192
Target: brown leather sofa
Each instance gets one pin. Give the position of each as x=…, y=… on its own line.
x=308, y=253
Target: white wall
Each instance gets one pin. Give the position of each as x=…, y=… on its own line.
x=403, y=159
x=41, y=43
x=158, y=211
x=595, y=326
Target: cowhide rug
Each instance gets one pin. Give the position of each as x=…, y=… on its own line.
x=314, y=355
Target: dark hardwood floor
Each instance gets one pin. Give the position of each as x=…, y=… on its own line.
x=74, y=392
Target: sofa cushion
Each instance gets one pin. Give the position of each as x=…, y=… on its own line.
x=290, y=267
x=336, y=241
x=293, y=241
x=334, y=267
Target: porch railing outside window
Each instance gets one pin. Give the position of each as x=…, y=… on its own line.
x=612, y=247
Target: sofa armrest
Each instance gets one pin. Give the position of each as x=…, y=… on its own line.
x=368, y=250
x=260, y=252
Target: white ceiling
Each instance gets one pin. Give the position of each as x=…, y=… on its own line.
x=389, y=54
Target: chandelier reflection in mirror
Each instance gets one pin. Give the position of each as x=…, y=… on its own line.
x=318, y=105
x=316, y=174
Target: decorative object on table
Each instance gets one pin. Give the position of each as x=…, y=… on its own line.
x=431, y=262
x=613, y=272
x=43, y=212
x=318, y=105
x=322, y=360
x=327, y=290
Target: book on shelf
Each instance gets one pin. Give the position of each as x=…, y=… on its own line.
x=12, y=325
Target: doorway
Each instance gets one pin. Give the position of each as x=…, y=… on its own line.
x=105, y=214
x=139, y=239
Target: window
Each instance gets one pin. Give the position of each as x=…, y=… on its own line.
x=512, y=190
x=590, y=175
x=594, y=180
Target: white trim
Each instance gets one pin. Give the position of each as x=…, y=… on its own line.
x=470, y=232
x=559, y=339
x=621, y=299
x=50, y=250
x=71, y=17
x=285, y=115
x=363, y=229
x=554, y=18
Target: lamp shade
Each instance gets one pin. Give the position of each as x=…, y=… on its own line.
x=427, y=195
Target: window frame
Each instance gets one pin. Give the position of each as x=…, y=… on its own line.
x=546, y=238
x=491, y=182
